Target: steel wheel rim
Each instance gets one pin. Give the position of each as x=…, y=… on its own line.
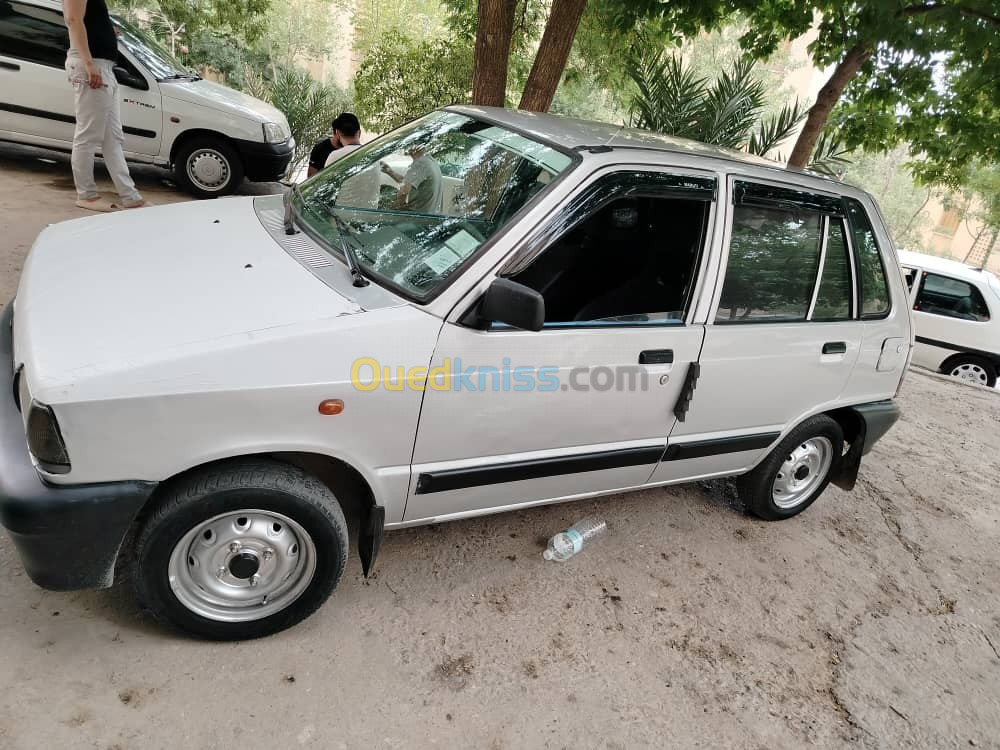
x=241, y=566
x=803, y=470
x=208, y=169
x=971, y=373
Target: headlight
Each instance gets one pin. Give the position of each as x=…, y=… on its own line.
x=45, y=441
x=274, y=133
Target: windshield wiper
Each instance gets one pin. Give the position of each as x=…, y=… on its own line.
x=349, y=254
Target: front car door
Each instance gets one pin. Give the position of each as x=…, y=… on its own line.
x=784, y=334
x=583, y=406
x=950, y=315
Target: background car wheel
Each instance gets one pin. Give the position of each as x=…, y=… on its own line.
x=796, y=472
x=973, y=370
x=241, y=550
x=208, y=167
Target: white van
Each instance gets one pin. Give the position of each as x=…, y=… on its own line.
x=210, y=135
x=200, y=393
x=955, y=316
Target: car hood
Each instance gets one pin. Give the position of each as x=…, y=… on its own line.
x=109, y=292
x=222, y=98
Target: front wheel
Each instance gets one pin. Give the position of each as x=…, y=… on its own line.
x=796, y=472
x=241, y=551
x=208, y=167
x=974, y=370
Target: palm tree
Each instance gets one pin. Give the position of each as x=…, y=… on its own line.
x=728, y=111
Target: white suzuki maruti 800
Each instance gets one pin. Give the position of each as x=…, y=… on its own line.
x=545, y=310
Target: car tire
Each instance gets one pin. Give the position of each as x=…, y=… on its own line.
x=972, y=369
x=794, y=473
x=241, y=550
x=208, y=167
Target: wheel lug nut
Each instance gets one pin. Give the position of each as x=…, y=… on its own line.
x=220, y=573
x=268, y=554
x=234, y=546
x=254, y=580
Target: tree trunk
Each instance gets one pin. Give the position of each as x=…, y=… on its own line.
x=553, y=51
x=990, y=247
x=494, y=30
x=825, y=102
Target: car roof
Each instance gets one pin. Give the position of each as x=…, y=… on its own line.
x=948, y=266
x=574, y=134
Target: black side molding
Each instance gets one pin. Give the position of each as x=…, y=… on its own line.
x=58, y=117
x=719, y=446
x=457, y=479
x=991, y=356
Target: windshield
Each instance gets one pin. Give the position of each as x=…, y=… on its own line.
x=148, y=51
x=417, y=203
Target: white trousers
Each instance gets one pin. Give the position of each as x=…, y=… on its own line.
x=98, y=128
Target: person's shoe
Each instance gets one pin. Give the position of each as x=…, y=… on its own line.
x=141, y=203
x=99, y=204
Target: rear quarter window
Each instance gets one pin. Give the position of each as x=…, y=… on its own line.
x=874, y=285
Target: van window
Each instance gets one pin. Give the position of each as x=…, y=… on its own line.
x=33, y=34
x=631, y=260
x=833, y=301
x=773, y=263
x=875, y=300
x=953, y=298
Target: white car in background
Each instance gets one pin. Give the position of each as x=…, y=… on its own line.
x=209, y=134
x=955, y=310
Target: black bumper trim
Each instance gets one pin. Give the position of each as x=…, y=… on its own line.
x=68, y=537
x=877, y=418
x=264, y=162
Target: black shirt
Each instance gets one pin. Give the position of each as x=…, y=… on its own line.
x=101, y=37
x=320, y=153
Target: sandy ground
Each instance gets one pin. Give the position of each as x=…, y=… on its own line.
x=871, y=620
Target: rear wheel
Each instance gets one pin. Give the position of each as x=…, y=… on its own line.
x=973, y=370
x=241, y=551
x=796, y=472
x=208, y=167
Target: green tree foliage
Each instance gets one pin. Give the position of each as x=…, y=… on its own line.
x=308, y=104
x=400, y=79
x=418, y=19
x=728, y=111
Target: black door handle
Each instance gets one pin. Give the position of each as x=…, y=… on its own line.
x=656, y=357
x=9, y=66
x=835, y=347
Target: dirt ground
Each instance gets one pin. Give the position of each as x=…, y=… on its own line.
x=871, y=620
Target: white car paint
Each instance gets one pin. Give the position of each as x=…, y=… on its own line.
x=36, y=106
x=168, y=338
x=956, y=334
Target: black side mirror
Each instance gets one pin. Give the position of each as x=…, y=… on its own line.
x=515, y=304
x=127, y=79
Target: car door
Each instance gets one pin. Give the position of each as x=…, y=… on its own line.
x=950, y=315
x=583, y=406
x=36, y=99
x=784, y=335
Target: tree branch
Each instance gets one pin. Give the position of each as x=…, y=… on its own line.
x=965, y=10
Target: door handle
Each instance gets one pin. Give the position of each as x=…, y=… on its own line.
x=835, y=347
x=9, y=66
x=656, y=357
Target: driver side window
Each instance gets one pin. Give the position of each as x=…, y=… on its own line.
x=626, y=253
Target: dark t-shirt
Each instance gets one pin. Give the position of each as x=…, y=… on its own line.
x=320, y=153
x=101, y=37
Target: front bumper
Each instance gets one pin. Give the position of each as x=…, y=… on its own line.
x=265, y=162
x=68, y=537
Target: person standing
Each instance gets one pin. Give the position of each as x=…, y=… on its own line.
x=346, y=137
x=93, y=50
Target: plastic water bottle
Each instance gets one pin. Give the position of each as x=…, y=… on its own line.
x=567, y=543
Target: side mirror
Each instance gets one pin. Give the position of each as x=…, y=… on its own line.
x=515, y=304
x=127, y=79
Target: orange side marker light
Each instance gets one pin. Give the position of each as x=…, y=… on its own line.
x=331, y=407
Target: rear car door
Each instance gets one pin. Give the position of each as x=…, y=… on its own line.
x=785, y=334
x=36, y=99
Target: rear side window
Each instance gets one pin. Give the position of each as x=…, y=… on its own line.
x=952, y=298
x=833, y=300
x=875, y=300
x=34, y=34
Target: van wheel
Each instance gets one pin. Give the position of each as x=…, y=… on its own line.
x=973, y=370
x=208, y=167
x=796, y=472
x=241, y=550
